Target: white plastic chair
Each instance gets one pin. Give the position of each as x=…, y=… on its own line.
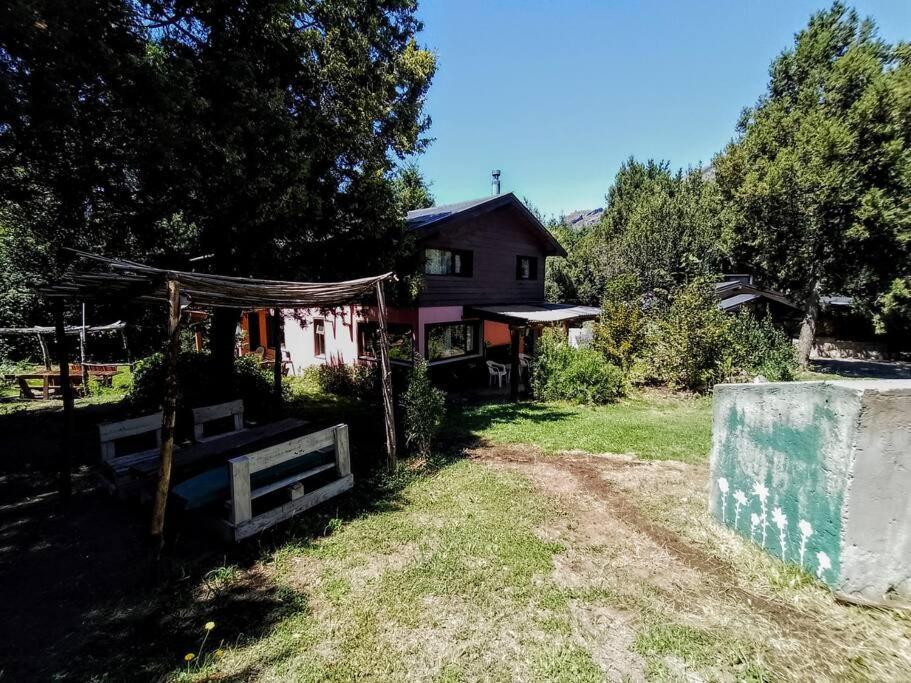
x=497, y=371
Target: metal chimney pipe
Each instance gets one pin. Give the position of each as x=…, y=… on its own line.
x=495, y=182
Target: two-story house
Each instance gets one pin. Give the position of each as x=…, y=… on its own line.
x=482, y=295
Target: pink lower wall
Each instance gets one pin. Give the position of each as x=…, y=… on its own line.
x=341, y=332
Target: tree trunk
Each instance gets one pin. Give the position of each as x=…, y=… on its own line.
x=808, y=326
x=169, y=410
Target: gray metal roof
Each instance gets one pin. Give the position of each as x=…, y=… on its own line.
x=420, y=218
x=533, y=313
x=428, y=221
x=737, y=301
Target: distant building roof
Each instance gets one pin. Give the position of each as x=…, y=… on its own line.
x=733, y=294
x=429, y=221
x=836, y=300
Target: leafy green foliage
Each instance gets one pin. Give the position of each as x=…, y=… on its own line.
x=694, y=345
x=249, y=382
x=581, y=375
x=621, y=332
x=688, y=342
x=819, y=175
x=359, y=381
x=659, y=227
x=424, y=407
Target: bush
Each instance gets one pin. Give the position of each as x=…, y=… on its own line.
x=620, y=333
x=360, y=381
x=423, y=406
x=249, y=382
x=695, y=345
x=687, y=347
x=561, y=372
x=758, y=347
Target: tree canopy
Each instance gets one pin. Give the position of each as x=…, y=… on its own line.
x=818, y=179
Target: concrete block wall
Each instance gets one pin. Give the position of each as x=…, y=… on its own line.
x=819, y=474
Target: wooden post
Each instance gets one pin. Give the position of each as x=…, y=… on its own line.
x=44, y=357
x=386, y=378
x=277, y=363
x=64, y=481
x=514, y=364
x=82, y=368
x=168, y=413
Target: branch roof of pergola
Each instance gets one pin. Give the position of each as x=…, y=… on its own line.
x=140, y=282
x=69, y=329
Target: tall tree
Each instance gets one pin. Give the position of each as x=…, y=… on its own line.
x=294, y=114
x=74, y=90
x=661, y=227
x=819, y=176
x=412, y=190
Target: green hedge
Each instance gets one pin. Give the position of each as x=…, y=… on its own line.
x=563, y=373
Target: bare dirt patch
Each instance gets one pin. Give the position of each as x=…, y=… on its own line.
x=638, y=536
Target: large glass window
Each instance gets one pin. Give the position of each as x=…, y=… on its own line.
x=447, y=262
x=452, y=340
x=400, y=341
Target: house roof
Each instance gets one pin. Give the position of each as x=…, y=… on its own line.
x=432, y=220
x=525, y=314
x=732, y=294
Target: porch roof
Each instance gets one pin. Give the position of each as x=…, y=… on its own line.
x=533, y=314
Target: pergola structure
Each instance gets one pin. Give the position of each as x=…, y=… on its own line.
x=179, y=289
x=82, y=330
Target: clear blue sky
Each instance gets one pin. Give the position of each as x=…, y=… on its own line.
x=557, y=94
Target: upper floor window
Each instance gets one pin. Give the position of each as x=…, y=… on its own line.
x=526, y=268
x=447, y=262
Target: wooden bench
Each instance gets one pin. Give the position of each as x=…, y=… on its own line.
x=221, y=411
x=118, y=467
x=242, y=471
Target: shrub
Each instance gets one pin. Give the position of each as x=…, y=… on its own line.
x=249, y=382
x=687, y=346
x=620, y=333
x=695, y=345
x=561, y=372
x=360, y=381
x=758, y=347
x=423, y=406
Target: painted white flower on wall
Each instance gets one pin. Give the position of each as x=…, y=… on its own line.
x=740, y=499
x=762, y=492
x=806, y=530
x=723, y=487
x=824, y=564
x=781, y=521
x=754, y=522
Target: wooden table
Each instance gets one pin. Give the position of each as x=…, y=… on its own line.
x=50, y=383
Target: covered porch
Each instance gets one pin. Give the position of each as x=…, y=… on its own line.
x=523, y=323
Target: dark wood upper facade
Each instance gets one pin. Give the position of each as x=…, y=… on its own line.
x=496, y=239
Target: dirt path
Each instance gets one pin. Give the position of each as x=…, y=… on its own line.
x=640, y=532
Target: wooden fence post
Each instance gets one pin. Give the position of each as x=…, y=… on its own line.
x=386, y=378
x=277, y=362
x=66, y=388
x=169, y=410
x=514, y=364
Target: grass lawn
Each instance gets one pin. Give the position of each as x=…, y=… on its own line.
x=651, y=426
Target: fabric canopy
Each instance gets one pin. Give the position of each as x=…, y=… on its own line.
x=147, y=283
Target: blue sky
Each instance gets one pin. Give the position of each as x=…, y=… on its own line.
x=557, y=94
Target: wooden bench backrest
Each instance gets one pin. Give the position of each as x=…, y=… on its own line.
x=111, y=432
x=219, y=411
x=242, y=467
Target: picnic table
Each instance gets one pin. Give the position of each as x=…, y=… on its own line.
x=50, y=383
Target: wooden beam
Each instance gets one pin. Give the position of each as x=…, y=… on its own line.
x=44, y=356
x=169, y=410
x=386, y=378
x=514, y=363
x=64, y=481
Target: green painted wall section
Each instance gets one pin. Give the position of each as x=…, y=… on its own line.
x=780, y=480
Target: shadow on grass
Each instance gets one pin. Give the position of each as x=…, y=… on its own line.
x=76, y=579
x=465, y=423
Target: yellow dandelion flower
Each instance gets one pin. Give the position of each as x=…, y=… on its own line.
x=189, y=657
x=219, y=653
x=210, y=625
